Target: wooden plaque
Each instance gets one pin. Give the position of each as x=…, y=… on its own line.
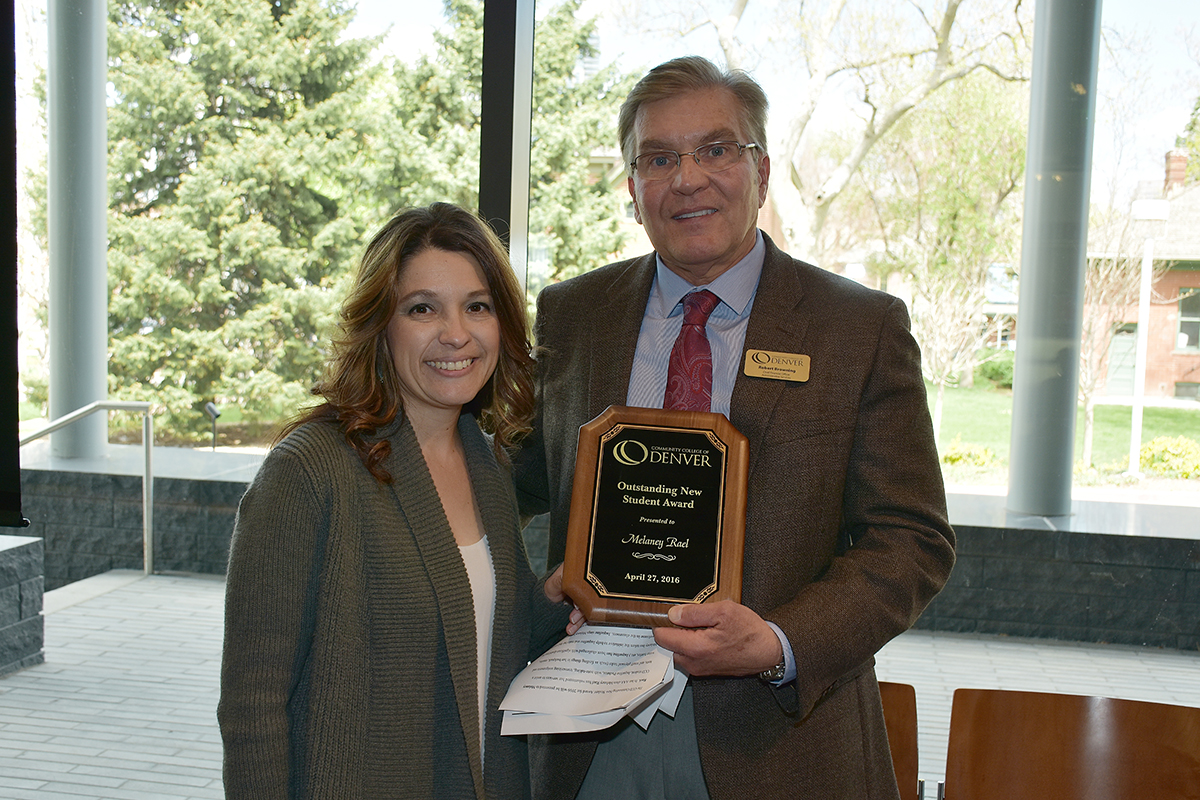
x=658, y=514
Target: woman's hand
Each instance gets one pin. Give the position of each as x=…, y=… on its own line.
x=554, y=593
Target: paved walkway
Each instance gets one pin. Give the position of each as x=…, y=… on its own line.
x=124, y=707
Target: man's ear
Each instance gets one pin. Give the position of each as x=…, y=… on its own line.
x=764, y=174
x=637, y=211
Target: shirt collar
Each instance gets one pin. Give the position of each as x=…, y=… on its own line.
x=735, y=286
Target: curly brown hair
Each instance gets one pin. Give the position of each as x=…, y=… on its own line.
x=361, y=389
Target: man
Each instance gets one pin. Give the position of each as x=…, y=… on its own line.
x=846, y=532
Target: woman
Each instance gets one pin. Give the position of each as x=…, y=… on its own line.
x=378, y=550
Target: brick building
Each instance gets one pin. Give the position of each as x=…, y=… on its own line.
x=1173, y=351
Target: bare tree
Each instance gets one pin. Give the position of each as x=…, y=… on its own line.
x=1190, y=139
x=940, y=193
x=1113, y=272
x=877, y=59
x=1112, y=284
x=952, y=327
x=1124, y=98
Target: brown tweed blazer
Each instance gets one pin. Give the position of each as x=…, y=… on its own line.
x=847, y=538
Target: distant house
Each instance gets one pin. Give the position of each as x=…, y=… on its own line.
x=1173, y=352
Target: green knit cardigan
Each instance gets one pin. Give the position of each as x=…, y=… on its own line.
x=349, y=666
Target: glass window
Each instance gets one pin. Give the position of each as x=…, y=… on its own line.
x=241, y=194
x=1189, y=319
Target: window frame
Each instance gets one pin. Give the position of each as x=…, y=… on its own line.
x=1189, y=317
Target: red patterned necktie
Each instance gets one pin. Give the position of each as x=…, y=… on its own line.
x=689, y=372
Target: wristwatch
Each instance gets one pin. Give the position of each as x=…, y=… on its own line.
x=775, y=673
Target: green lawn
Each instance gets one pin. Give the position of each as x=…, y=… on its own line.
x=981, y=417
x=1110, y=444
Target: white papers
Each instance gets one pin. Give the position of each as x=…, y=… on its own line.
x=589, y=681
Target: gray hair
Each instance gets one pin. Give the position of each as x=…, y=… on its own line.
x=690, y=73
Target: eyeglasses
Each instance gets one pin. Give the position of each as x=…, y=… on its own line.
x=714, y=157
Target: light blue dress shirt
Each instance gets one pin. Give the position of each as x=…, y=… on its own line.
x=726, y=331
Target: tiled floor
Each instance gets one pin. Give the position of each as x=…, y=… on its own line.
x=124, y=707
x=938, y=663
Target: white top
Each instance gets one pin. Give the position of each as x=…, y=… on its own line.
x=478, y=560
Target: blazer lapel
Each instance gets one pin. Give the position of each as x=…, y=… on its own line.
x=614, y=329
x=775, y=325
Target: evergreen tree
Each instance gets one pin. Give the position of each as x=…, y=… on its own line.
x=254, y=149
x=236, y=137
x=434, y=104
x=574, y=208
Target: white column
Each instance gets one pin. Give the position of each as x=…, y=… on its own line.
x=77, y=213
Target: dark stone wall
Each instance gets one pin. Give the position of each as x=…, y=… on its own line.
x=1081, y=587
x=21, y=629
x=92, y=523
x=1033, y=583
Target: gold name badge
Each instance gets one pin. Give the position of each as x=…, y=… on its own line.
x=778, y=366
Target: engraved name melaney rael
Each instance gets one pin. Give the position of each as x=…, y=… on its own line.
x=646, y=541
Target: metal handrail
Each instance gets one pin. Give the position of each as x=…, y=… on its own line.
x=147, y=448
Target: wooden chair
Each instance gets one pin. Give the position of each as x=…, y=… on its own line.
x=1068, y=747
x=900, y=717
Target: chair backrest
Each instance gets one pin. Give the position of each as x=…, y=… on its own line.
x=900, y=717
x=1069, y=747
